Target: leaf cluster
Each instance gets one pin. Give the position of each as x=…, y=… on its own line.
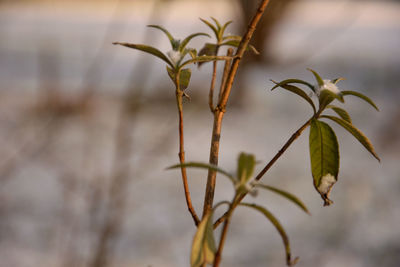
x=323, y=144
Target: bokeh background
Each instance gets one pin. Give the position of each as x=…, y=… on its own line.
x=87, y=130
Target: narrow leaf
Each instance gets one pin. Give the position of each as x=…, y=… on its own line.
x=190, y=37
x=223, y=28
x=203, y=246
x=364, y=97
x=356, y=133
x=296, y=90
x=286, y=195
x=245, y=169
x=235, y=43
x=232, y=37
x=317, y=77
x=204, y=59
x=284, y=82
x=217, y=23
x=335, y=81
x=148, y=49
x=324, y=155
x=169, y=35
x=212, y=27
x=341, y=112
x=278, y=227
x=204, y=166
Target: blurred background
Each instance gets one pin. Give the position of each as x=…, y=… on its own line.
x=87, y=130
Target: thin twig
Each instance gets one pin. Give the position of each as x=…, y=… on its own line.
x=220, y=109
x=267, y=167
x=179, y=100
x=211, y=93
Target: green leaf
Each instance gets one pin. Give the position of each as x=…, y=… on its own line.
x=335, y=81
x=232, y=37
x=204, y=59
x=246, y=164
x=203, y=246
x=285, y=194
x=235, y=43
x=184, y=77
x=217, y=23
x=208, y=50
x=317, y=77
x=204, y=166
x=296, y=90
x=356, y=133
x=284, y=82
x=324, y=155
x=278, y=227
x=327, y=96
x=364, y=97
x=190, y=37
x=173, y=41
x=148, y=49
x=341, y=112
x=223, y=28
x=212, y=27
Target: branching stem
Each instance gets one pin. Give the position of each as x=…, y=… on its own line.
x=220, y=108
x=267, y=167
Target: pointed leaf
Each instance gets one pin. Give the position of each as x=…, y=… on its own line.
x=356, y=133
x=204, y=59
x=284, y=82
x=232, y=37
x=212, y=27
x=235, y=43
x=208, y=50
x=296, y=90
x=341, y=112
x=190, y=37
x=324, y=155
x=204, y=166
x=217, y=23
x=192, y=52
x=317, y=77
x=203, y=246
x=224, y=27
x=147, y=49
x=364, y=97
x=278, y=227
x=286, y=195
x=246, y=164
x=335, y=81
x=173, y=41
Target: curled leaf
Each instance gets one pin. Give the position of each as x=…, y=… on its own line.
x=190, y=37
x=296, y=90
x=364, y=97
x=288, y=81
x=356, y=133
x=278, y=227
x=286, y=195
